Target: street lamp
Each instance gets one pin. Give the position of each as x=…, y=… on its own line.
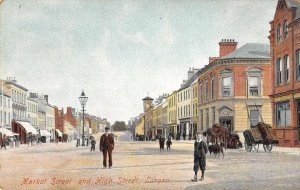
x=83, y=99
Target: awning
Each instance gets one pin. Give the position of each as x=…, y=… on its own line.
x=28, y=127
x=58, y=132
x=45, y=133
x=6, y=132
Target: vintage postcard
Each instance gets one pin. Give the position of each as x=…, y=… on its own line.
x=140, y=94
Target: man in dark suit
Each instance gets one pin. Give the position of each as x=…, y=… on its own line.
x=200, y=149
x=107, y=145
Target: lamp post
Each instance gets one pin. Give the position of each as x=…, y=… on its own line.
x=83, y=99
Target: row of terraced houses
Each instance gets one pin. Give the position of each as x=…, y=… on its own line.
x=238, y=88
x=24, y=114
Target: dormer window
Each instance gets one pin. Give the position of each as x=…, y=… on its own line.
x=285, y=29
x=278, y=34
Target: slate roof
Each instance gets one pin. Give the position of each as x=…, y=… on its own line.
x=148, y=98
x=190, y=81
x=250, y=51
x=294, y=4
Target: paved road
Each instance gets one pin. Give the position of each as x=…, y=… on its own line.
x=140, y=165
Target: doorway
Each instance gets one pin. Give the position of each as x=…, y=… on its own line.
x=227, y=122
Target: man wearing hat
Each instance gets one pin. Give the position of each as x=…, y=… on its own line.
x=106, y=146
x=200, y=149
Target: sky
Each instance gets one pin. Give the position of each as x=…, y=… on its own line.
x=119, y=51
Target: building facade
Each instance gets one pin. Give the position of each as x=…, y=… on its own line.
x=285, y=55
x=172, y=113
x=148, y=114
x=5, y=110
x=32, y=111
x=234, y=88
x=186, y=128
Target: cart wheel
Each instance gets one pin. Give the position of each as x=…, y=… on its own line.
x=248, y=147
x=268, y=147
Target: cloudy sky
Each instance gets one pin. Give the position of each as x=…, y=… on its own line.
x=117, y=51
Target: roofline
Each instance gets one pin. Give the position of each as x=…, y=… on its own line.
x=15, y=84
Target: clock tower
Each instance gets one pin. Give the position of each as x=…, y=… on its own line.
x=147, y=102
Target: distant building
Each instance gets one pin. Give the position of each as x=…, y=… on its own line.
x=148, y=114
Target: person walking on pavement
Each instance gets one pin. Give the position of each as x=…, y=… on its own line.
x=93, y=144
x=107, y=144
x=200, y=150
x=3, y=142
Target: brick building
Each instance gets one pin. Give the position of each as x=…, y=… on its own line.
x=285, y=54
x=234, y=87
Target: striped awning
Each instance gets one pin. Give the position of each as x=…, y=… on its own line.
x=45, y=133
x=28, y=127
x=58, y=132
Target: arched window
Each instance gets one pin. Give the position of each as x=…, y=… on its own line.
x=226, y=83
x=278, y=34
x=285, y=29
x=254, y=82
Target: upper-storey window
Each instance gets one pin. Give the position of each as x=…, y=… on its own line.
x=206, y=91
x=285, y=29
x=201, y=92
x=278, y=34
x=286, y=69
x=227, y=84
x=279, y=71
x=254, y=82
x=213, y=88
x=298, y=64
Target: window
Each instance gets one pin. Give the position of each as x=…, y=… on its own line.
x=213, y=109
x=278, y=34
x=254, y=117
x=9, y=118
x=207, y=118
x=212, y=88
x=279, y=71
x=5, y=117
x=298, y=64
x=189, y=110
x=285, y=29
x=253, y=83
x=1, y=100
x=4, y=101
x=226, y=86
x=283, y=114
x=196, y=107
x=287, y=68
x=201, y=92
x=201, y=119
x=206, y=91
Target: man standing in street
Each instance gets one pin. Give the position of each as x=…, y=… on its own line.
x=106, y=146
x=200, y=149
x=4, y=139
x=93, y=144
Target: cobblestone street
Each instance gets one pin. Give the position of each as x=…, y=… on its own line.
x=140, y=165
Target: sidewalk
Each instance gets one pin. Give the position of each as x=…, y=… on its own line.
x=286, y=150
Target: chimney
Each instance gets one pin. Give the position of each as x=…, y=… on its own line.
x=190, y=73
x=46, y=98
x=227, y=46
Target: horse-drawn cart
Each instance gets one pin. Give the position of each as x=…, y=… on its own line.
x=260, y=134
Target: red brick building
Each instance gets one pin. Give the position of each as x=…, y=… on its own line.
x=59, y=122
x=234, y=87
x=285, y=54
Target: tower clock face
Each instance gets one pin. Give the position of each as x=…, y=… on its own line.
x=147, y=106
